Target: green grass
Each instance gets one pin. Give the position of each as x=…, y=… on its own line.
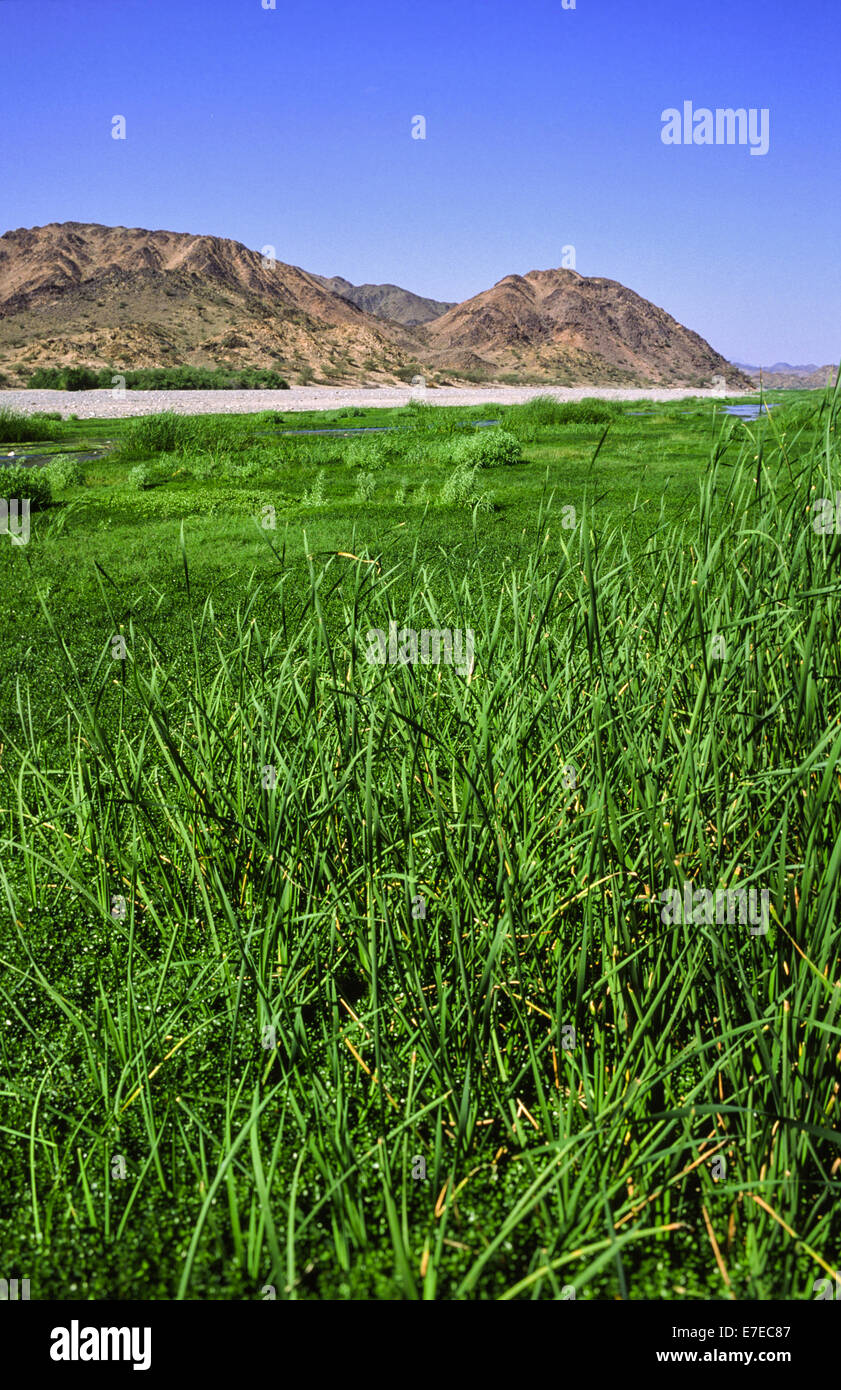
x=382, y=914
x=16, y=427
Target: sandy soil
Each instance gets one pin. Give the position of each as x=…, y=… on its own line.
x=103, y=405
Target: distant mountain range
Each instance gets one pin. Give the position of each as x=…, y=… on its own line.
x=90, y=295
x=808, y=377
x=780, y=367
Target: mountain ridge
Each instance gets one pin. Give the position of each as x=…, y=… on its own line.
x=90, y=294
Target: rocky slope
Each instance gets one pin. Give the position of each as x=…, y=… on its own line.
x=100, y=296
x=575, y=329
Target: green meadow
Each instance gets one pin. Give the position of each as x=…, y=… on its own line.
x=324, y=978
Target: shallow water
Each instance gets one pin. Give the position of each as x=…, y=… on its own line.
x=742, y=412
x=751, y=411
x=30, y=460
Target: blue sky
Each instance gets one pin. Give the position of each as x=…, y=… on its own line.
x=292, y=127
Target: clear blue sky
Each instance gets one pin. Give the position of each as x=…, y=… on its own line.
x=292, y=127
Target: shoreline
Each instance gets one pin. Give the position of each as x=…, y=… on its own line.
x=101, y=404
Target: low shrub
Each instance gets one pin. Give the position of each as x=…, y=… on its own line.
x=486, y=449
x=317, y=493
x=423, y=453
x=244, y=465
x=159, y=379
x=333, y=417
x=140, y=477
x=30, y=484
x=461, y=490
x=587, y=412
x=64, y=471
x=162, y=503
x=365, y=485
x=205, y=467
x=410, y=370
x=371, y=452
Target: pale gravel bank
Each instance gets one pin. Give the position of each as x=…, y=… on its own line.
x=88, y=405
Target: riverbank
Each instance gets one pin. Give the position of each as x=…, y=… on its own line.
x=103, y=405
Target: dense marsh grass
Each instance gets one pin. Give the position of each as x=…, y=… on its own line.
x=168, y=433
x=361, y=968
x=15, y=427
x=542, y=412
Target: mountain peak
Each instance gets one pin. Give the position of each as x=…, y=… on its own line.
x=387, y=301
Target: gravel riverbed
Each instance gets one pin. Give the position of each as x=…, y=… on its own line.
x=89, y=405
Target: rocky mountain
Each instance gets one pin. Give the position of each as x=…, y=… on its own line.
x=574, y=329
x=115, y=296
x=386, y=301
x=84, y=294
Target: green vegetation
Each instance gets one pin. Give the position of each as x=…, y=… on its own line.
x=16, y=427
x=316, y=496
x=541, y=413
x=168, y=433
x=64, y=471
x=158, y=379
x=487, y=448
x=140, y=476
x=26, y=484
x=352, y=979
x=462, y=489
x=411, y=369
